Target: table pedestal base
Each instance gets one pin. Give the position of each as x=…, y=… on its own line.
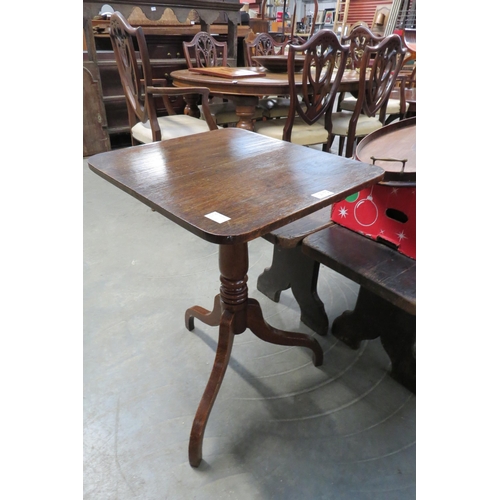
x=234, y=312
x=244, y=109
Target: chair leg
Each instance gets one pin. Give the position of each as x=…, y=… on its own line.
x=341, y=144
x=328, y=145
x=350, y=146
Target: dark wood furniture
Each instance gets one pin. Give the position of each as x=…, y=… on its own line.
x=410, y=41
x=261, y=44
x=245, y=92
x=386, y=304
x=312, y=92
x=379, y=69
x=218, y=17
x=358, y=39
x=405, y=91
x=289, y=269
x=95, y=137
x=138, y=86
x=229, y=203
x=411, y=98
x=205, y=51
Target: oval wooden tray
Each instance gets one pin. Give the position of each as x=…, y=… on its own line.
x=393, y=148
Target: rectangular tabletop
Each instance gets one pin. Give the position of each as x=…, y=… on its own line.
x=247, y=184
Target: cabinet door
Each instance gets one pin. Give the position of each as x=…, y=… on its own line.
x=95, y=133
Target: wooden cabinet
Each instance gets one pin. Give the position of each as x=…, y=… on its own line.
x=95, y=135
x=165, y=47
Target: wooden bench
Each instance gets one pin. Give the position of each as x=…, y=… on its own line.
x=291, y=269
x=386, y=304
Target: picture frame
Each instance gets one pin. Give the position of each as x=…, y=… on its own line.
x=319, y=17
x=328, y=17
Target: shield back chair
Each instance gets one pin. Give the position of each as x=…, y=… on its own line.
x=398, y=106
x=204, y=51
x=263, y=44
x=358, y=38
x=379, y=69
x=312, y=92
x=138, y=85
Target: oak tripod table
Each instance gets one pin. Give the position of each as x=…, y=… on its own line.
x=228, y=187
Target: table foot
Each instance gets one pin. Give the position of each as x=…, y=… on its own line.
x=222, y=356
x=245, y=110
x=211, y=318
x=266, y=332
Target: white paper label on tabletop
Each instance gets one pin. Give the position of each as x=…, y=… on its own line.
x=322, y=194
x=217, y=217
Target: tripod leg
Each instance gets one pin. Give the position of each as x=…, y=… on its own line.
x=224, y=347
x=266, y=332
x=204, y=315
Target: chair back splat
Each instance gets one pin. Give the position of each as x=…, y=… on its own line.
x=133, y=77
x=313, y=98
x=263, y=44
x=358, y=39
x=383, y=63
x=206, y=51
x=312, y=92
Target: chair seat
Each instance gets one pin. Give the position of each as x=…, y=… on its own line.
x=303, y=134
x=365, y=125
x=393, y=105
x=348, y=103
x=171, y=127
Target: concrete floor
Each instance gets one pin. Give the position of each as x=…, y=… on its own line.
x=280, y=428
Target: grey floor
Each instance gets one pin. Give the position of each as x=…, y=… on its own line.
x=280, y=428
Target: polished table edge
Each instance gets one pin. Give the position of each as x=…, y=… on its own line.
x=270, y=83
x=216, y=233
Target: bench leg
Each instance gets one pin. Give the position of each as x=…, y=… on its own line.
x=374, y=317
x=293, y=269
x=401, y=348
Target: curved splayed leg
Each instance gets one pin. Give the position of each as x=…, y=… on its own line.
x=222, y=356
x=210, y=318
x=266, y=332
